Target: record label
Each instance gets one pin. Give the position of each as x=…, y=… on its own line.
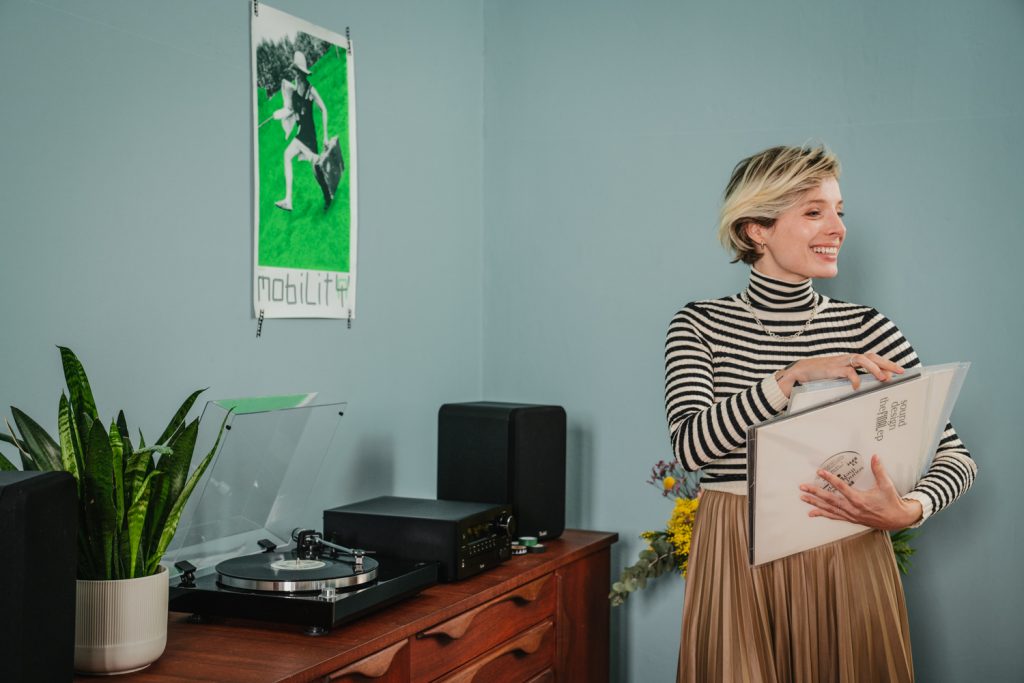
x=298, y=565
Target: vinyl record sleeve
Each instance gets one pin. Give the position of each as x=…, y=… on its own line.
x=834, y=429
x=945, y=383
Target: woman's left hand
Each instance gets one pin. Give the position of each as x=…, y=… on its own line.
x=880, y=507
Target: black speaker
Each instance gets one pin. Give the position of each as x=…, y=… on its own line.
x=505, y=453
x=38, y=534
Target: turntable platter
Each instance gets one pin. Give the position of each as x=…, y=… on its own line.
x=283, y=572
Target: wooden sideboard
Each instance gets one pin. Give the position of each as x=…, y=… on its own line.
x=536, y=618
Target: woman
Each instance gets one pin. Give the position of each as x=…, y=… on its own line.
x=297, y=115
x=833, y=613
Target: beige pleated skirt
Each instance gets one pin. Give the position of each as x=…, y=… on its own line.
x=833, y=613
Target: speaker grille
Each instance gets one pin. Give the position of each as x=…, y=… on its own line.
x=505, y=453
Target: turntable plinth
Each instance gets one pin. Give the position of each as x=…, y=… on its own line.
x=537, y=617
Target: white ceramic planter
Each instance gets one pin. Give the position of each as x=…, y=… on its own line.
x=120, y=626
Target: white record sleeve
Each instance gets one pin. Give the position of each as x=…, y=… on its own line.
x=829, y=427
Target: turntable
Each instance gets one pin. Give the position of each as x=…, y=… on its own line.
x=233, y=554
x=312, y=565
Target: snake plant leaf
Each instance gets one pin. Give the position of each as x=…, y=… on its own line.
x=119, y=567
x=136, y=521
x=183, y=445
x=137, y=466
x=126, y=435
x=70, y=444
x=117, y=463
x=6, y=465
x=171, y=525
x=38, y=442
x=122, y=551
x=159, y=450
x=27, y=462
x=98, y=505
x=87, y=563
x=147, y=532
x=179, y=417
x=84, y=425
x=175, y=468
x=78, y=386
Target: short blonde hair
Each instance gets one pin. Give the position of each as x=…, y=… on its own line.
x=764, y=185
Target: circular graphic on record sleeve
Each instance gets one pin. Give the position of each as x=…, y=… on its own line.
x=846, y=465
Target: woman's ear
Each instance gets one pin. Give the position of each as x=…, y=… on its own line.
x=754, y=232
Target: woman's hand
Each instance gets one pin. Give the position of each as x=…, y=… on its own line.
x=880, y=507
x=836, y=367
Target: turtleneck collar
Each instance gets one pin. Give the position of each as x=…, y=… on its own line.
x=770, y=294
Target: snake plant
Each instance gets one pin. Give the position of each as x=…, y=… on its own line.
x=130, y=498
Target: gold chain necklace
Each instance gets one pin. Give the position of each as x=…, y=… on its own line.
x=750, y=308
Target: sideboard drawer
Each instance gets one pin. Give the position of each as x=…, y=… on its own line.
x=390, y=665
x=522, y=658
x=459, y=639
x=546, y=676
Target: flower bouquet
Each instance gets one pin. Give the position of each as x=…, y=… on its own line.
x=669, y=548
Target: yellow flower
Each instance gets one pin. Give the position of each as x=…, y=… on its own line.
x=668, y=483
x=680, y=529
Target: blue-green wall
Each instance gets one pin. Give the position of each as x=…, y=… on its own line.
x=610, y=131
x=538, y=189
x=126, y=221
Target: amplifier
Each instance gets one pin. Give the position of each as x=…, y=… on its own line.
x=465, y=538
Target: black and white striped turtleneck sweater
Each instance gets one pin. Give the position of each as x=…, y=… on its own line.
x=719, y=378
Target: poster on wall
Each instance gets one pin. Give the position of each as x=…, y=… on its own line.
x=304, y=150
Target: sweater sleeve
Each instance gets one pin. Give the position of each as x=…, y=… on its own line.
x=953, y=470
x=702, y=429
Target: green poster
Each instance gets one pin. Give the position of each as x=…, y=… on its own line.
x=304, y=147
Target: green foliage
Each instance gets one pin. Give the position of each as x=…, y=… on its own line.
x=901, y=548
x=274, y=59
x=130, y=500
x=296, y=239
x=654, y=561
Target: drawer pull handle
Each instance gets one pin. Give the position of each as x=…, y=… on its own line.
x=373, y=666
x=528, y=643
x=456, y=628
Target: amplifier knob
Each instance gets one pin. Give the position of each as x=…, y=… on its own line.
x=505, y=524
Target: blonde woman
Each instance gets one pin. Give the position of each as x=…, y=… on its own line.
x=833, y=613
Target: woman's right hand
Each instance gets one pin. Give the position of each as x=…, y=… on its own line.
x=836, y=367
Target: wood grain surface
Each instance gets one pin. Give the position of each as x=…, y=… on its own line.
x=236, y=650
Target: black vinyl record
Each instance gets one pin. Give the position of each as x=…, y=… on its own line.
x=289, y=573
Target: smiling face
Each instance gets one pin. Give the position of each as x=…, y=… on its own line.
x=806, y=238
